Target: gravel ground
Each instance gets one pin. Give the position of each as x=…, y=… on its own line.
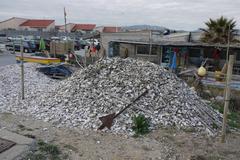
x=162, y=144
x=7, y=59
x=10, y=83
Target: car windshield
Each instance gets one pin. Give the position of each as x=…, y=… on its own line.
x=32, y=44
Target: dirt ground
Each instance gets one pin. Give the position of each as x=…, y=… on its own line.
x=162, y=144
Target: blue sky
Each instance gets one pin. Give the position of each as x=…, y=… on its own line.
x=174, y=14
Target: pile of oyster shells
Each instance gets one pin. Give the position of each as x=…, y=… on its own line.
x=108, y=86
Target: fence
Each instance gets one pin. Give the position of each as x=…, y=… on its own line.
x=47, y=35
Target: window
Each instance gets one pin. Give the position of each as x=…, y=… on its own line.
x=40, y=29
x=194, y=52
x=155, y=50
x=237, y=55
x=144, y=49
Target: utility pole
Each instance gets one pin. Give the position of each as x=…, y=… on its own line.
x=66, y=33
x=227, y=96
x=224, y=69
x=22, y=69
x=65, y=20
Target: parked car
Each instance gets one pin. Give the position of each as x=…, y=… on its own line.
x=80, y=44
x=77, y=45
x=28, y=46
x=65, y=38
x=47, y=44
x=3, y=39
x=92, y=41
x=84, y=43
x=55, y=38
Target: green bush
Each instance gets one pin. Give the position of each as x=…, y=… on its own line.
x=234, y=104
x=45, y=151
x=233, y=114
x=234, y=119
x=140, y=125
x=48, y=148
x=218, y=106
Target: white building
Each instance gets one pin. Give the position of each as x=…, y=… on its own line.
x=12, y=23
x=72, y=27
x=69, y=27
x=38, y=25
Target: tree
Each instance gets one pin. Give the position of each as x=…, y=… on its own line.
x=218, y=30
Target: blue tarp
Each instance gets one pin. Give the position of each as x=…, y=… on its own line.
x=174, y=61
x=56, y=71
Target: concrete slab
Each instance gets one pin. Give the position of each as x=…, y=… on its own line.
x=23, y=144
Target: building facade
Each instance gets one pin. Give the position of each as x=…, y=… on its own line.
x=72, y=27
x=12, y=23
x=84, y=28
x=38, y=25
x=159, y=49
x=188, y=54
x=107, y=38
x=69, y=27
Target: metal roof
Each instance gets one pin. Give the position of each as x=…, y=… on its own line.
x=37, y=23
x=178, y=43
x=84, y=27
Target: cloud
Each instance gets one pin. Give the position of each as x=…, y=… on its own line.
x=176, y=14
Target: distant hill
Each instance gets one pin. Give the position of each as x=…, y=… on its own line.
x=238, y=31
x=143, y=27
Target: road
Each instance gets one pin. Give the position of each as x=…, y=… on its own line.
x=6, y=59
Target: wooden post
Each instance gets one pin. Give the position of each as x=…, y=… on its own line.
x=228, y=43
x=227, y=96
x=85, y=57
x=55, y=49
x=150, y=44
x=22, y=70
x=13, y=47
x=161, y=55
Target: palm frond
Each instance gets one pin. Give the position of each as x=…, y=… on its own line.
x=218, y=30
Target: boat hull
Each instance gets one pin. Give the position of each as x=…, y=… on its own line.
x=36, y=59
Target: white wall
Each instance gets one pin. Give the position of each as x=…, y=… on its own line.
x=132, y=52
x=129, y=47
x=135, y=36
x=69, y=27
x=51, y=27
x=12, y=23
x=99, y=29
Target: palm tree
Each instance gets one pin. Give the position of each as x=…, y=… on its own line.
x=218, y=31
